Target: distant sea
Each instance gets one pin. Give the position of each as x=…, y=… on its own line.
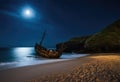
x=24, y=56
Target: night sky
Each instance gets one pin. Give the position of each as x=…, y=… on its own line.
x=63, y=19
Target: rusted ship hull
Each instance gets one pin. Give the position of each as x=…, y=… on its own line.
x=41, y=51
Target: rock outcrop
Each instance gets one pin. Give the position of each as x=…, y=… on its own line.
x=75, y=44
x=107, y=40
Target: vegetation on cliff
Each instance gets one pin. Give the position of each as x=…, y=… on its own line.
x=75, y=44
x=107, y=40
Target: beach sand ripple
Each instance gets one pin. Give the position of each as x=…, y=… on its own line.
x=103, y=68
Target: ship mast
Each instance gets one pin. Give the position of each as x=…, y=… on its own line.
x=43, y=36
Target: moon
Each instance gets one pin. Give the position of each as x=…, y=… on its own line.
x=28, y=13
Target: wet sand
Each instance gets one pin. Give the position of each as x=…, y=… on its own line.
x=94, y=68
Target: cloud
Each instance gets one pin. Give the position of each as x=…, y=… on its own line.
x=9, y=13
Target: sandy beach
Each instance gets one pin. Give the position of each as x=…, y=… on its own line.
x=93, y=68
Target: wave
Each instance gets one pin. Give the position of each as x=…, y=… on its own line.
x=7, y=63
x=72, y=56
x=64, y=57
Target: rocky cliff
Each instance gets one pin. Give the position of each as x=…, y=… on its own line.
x=107, y=40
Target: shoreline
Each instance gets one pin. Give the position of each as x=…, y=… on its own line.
x=17, y=64
x=61, y=69
x=26, y=73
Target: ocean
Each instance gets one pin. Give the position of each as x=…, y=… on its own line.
x=24, y=56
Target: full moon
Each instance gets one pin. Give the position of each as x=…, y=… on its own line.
x=28, y=13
